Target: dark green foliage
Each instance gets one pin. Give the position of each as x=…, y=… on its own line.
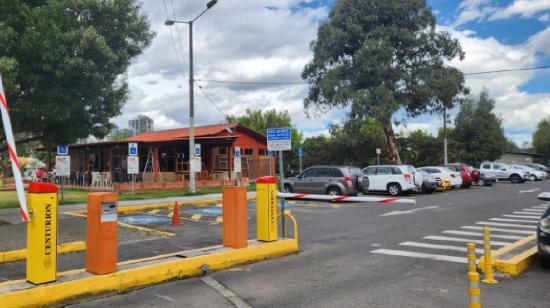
x=63, y=64
x=541, y=138
x=380, y=56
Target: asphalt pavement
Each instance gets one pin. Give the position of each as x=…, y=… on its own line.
x=372, y=255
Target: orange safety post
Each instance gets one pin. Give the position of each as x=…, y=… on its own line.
x=101, y=233
x=235, y=217
x=176, y=214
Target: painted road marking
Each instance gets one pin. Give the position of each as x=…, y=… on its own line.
x=420, y=255
x=464, y=240
x=508, y=237
x=488, y=223
x=499, y=230
x=225, y=292
x=527, y=213
x=196, y=217
x=534, y=210
x=521, y=216
x=529, y=191
x=442, y=247
x=515, y=220
x=410, y=211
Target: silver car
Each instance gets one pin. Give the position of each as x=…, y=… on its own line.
x=504, y=172
x=328, y=180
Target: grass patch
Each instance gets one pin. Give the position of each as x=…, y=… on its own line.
x=8, y=199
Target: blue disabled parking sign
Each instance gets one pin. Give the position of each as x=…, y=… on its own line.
x=62, y=149
x=300, y=151
x=132, y=149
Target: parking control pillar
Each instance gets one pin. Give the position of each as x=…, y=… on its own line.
x=101, y=233
x=42, y=233
x=472, y=267
x=488, y=259
x=266, y=209
x=235, y=217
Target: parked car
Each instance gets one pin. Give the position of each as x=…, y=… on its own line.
x=444, y=174
x=543, y=231
x=504, y=172
x=395, y=180
x=538, y=167
x=329, y=180
x=429, y=182
x=534, y=174
x=465, y=173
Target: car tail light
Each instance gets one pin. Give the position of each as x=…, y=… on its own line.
x=452, y=175
x=407, y=176
x=349, y=181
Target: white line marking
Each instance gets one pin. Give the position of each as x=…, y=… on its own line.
x=529, y=191
x=442, y=247
x=488, y=223
x=499, y=230
x=521, y=216
x=225, y=292
x=527, y=213
x=464, y=240
x=534, y=210
x=508, y=237
x=430, y=256
x=165, y=298
x=516, y=220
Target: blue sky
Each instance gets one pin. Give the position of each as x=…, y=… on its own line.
x=269, y=41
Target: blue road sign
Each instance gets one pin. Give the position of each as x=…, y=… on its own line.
x=132, y=149
x=197, y=149
x=300, y=151
x=269, y=152
x=62, y=149
x=237, y=152
x=278, y=139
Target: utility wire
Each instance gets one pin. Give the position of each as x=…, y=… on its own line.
x=174, y=44
x=211, y=101
x=304, y=82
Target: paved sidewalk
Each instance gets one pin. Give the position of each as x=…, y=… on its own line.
x=12, y=216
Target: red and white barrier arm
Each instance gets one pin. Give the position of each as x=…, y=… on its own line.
x=10, y=142
x=346, y=198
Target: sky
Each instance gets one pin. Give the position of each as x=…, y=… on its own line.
x=268, y=41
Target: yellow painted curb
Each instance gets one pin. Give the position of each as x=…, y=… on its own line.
x=87, y=285
x=517, y=264
x=21, y=254
x=146, y=230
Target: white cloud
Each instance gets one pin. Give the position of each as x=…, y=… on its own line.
x=544, y=18
x=523, y=8
x=479, y=10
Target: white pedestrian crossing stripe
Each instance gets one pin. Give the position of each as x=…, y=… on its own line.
x=506, y=229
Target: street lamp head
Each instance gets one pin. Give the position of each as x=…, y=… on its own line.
x=211, y=4
x=168, y=22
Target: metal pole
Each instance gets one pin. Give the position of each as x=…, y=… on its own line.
x=378, y=158
x=281, y=176
x=300, y=163
x=192, y=186
x=445, y=154
x=133, y=183
x=62, y=188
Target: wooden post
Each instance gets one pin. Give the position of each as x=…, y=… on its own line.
x=155, y=163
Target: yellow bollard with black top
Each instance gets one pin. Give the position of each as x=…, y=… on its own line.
x=488, y=259
x=42, y=233
x=266, y=209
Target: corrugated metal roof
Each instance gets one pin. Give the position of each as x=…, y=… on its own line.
x=183, y=133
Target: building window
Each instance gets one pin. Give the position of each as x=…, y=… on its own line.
x=261, y=152
x=248, y=151
x=223, y=151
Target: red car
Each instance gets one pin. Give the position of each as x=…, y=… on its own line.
x=465, y=173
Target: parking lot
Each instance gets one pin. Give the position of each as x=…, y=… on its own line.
x=358, y=255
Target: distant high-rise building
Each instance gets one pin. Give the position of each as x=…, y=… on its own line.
x=141, y=124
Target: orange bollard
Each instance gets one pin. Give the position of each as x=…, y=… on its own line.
x=176, y=215
x=101, y=233
x=235, y=217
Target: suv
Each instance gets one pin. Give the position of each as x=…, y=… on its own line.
x=504, y=172
x=392, y=179
x=330, y=180
x=465, y=173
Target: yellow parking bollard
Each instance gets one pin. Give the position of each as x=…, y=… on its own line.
x=472, y=267
x=266, y=209
x=488, y=259
x=474, y=291
x=42, y=233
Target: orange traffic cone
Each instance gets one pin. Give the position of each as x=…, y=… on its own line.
x=176, y=215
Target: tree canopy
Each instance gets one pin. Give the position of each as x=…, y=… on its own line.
x=541, y=138
x=379, y=57
x=63, y=64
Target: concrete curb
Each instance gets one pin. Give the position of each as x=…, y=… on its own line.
x=79, y=285
x=518, y=263
x=21, y=254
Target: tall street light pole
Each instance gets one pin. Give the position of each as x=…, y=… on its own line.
x=209, y=5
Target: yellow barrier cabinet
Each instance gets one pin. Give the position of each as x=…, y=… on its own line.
x=42, y=233
x=266, y=208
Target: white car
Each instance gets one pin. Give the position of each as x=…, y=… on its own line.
x=394, y=179
x=533, y=174
x=504, y=172
x=444, y=174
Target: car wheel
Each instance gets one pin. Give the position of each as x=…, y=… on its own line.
x=533, y=177
x=480, y=182
x=334, y=191
x=287, y=188
x=394, y=189
x=514, y=178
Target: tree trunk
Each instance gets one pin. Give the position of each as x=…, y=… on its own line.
x=392, y=144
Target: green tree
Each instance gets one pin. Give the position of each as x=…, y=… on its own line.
x=478, y=130
x=419, y=148
x=63, y=64
x=380, y=56
x=541, y=138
